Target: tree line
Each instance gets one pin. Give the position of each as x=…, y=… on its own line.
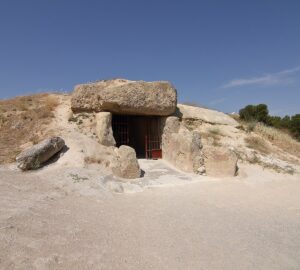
x=260, y=113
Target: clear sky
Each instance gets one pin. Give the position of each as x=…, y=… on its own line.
x=222, y=54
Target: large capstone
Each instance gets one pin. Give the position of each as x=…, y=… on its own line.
x=38, y=154
x=125, y=97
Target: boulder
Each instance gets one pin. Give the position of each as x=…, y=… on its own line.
x=104, y=129
x=186, y=112
x=171, y=125
x=38, y=154
x=181, y=147
x=220, y=162
x=125, y=97
x=125, y=164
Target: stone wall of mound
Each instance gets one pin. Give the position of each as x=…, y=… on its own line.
x=186, y=112
x=181, y=147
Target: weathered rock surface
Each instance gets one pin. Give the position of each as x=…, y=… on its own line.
x=181, y=147
x=104, y=129
x=205, y=115
x=220, y=162
x=38, y=154
x=125, y=97
x=171, y=125
x=125, y=164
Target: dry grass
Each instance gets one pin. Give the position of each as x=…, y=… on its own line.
x=23, y=119
x=247, y=126
x=192, y=124
x=258, y=144
x=215, y=134
x=279, y=138
x=250, y=127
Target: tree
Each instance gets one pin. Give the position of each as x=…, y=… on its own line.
x=275, y=121
x=286, y=122
x=295, y=126
x=247, y=113
x=259, y=113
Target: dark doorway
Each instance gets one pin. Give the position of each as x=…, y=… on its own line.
x=143, y=133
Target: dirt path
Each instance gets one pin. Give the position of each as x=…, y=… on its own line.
x=230, y=224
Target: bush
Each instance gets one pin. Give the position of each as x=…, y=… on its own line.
x=274, y=121
x=259, y=113
x=295, y=126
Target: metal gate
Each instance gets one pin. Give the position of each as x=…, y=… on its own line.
x=127, y=128
x=153, y=138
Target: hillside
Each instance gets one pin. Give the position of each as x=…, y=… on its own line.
x=26, y=120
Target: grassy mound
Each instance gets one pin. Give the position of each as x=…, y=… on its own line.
x=24, y=119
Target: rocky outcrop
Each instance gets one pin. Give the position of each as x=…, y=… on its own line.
x=104, y=129
x=125, y=164
x=220, y=162
x=181, y=147
x=186, y=112
x=125, y=97
x=38, y=154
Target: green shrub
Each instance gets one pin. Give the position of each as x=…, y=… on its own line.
x=295, y=126
x=260, y=113
x=257, y=113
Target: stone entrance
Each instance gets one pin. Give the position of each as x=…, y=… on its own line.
x=143, y=133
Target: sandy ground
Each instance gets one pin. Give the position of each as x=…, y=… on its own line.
x=68, y=219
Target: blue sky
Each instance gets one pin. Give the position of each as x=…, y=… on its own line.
x=221, y=54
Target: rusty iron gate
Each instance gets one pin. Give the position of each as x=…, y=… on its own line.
x=143, y=133
x=153, y=138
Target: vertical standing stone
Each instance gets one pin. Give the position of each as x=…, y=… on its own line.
x=104, y=129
